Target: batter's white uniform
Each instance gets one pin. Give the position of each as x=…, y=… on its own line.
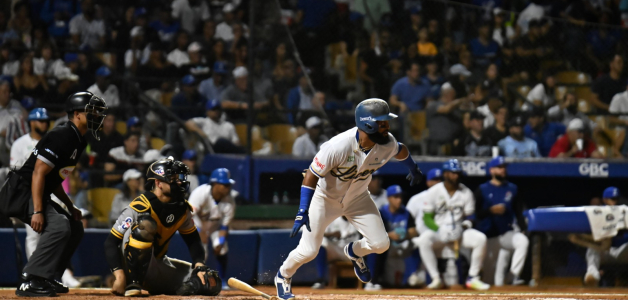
x=20, y=151
x=209, y=215
x=449, y=212
x=345, y=172
x=335, y=246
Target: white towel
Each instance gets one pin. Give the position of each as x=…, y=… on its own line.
x=605, y=221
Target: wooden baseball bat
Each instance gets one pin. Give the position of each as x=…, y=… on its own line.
x=243, y=286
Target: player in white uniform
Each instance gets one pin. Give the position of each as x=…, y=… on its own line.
x=214, y=208
x=445, y=210
x=336, y=185
x=39, y=123
x=337, y=235
x=415, y=207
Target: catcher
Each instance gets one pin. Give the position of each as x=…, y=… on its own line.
x=137, y=244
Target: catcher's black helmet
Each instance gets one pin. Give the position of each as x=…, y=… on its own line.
x=170, y=171
x=94, y=106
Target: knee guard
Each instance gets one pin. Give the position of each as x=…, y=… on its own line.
x=194, y=285
x=138, y=251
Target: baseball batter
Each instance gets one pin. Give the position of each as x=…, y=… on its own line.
x=336, y=185
x=214, y=208
x=447, y=206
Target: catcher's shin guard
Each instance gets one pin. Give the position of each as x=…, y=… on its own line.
x=138, y=251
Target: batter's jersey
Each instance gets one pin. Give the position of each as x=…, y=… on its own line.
x=449, y=210
x=415, y=207
x=346, y=170
x=207, y=209
x=60, y=149
x=168, y=217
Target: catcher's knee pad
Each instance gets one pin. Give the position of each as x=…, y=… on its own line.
x=138, y=250
x=194, y=285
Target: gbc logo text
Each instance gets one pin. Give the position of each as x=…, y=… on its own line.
x=593, y=169
x=366, y=119
x=473, y=168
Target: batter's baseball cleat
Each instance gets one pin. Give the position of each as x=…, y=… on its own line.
x=33, y=286
x=436, y=284
x=476, y=284
x=59, y=287
x=359, y=266
x=133, y=290
x=284, y=287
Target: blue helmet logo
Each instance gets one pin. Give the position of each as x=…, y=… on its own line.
x=369, y=111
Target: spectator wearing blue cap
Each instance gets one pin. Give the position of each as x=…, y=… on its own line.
x=104, y=89
x=611, y=251
x=401, y=228
x=213, y=209
x=499, y=215
x=308, y=144
x=415, y=207
x=189, y=158
x=135, y=125
x=85, y=29
x=39, y=123
x=188, y=103
x=220, y=133
x=211, y=88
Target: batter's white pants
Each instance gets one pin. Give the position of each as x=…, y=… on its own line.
x=515, y=244
x=360, y=212
x=471, y=238
x=595, y=258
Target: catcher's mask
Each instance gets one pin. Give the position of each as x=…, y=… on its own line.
x=170, y=171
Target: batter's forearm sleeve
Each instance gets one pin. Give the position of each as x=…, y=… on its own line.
x=428, y=219
x=113, y=254
x=306, y=198
x=197, y=251
x=480, y=212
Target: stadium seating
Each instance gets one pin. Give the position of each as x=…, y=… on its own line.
x=121, y=127
x=157, y=143
x=100, y=200
x=282, y=136
x=573, y=77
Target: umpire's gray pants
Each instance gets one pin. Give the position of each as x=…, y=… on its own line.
x=165, y=275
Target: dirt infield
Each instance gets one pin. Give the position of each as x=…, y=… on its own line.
x=349, y=294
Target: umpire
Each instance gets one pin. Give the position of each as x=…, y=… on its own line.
x=26, y=196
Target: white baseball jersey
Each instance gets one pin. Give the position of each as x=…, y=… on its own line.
x=207, y=209
x=415, y=207
x=21, y=150
x=345, y=170
x=449, y=210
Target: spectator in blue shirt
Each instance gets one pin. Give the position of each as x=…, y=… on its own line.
x=188, y=103
x=401, y=228
x=483, y=48
x=165, y=26
x=543, y=133
x=516, y=144
x=212, y=88
x=410, y=93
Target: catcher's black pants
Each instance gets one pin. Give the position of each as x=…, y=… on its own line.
x=60, y=237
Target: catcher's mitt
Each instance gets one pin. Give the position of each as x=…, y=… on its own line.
x=194, y=286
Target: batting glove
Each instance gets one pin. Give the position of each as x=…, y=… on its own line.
x=415, y=177
x=301, y=219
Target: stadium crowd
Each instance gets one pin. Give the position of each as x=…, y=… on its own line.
x=497, y=86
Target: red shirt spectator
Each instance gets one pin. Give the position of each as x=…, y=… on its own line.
x=567, y=145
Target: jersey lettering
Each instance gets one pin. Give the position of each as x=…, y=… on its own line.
x=350, y=173
x=73, y=155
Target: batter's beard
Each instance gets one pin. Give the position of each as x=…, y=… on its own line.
x=379, y=138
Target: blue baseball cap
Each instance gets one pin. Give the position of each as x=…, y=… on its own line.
x=222, y=176
x=611, y=193
x=220, y=68
x=435, y=173
x=38, y=114
x=394, y=190
x=189, y=155
x=452, y=165
x=133, y=121
x=496, y=162
x=211, y=104
x=103, y=71
x=188, y=80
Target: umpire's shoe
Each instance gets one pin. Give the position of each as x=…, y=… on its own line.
x=133, y=290
x=359, y=266
x=33, y=286
x=284, y=287
x=59, y=287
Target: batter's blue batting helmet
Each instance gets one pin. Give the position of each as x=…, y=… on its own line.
x=222, y=176
x=38, y=114
x=452, y=165
x=369, y=111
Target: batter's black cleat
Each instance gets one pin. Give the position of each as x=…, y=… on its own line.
x=133, y=290
x=33, y=286
x=59, y=287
